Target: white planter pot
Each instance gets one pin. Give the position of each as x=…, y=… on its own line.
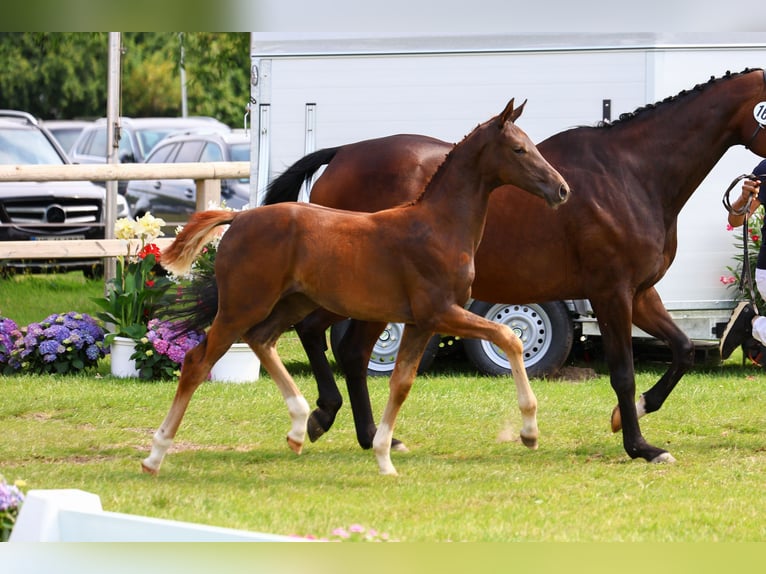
x=121, y=350
x=238, y=365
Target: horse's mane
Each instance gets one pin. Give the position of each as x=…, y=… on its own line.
x=625, y=117
x=439, y=171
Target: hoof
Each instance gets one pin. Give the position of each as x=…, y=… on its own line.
x=294, y=445
x=314, y=428
x=398, y=446
x=529, y=442
x=665, y=457
x=148, y=470
x=616, y=419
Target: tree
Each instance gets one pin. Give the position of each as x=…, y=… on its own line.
x=64, y=75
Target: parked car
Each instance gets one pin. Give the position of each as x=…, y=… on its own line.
x=175, y=199
x=43, y=210
x=66, y=132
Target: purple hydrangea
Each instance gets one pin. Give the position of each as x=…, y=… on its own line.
x=60, y=343
x=8, y=330
x=161, y=353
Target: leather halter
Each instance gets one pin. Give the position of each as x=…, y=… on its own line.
x=758, y=126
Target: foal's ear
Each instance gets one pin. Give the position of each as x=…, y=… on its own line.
x=511, y=115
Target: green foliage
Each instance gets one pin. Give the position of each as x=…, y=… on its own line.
x=754, y=239
x=64, y=75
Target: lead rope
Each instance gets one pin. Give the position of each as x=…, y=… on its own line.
x=746, y=277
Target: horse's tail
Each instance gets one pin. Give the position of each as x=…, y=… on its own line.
x=287, y=186
x=200, y=229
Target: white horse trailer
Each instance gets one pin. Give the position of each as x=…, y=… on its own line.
x=314, y=91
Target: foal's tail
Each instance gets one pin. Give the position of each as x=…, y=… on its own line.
x=200, y=229
x=288, y=185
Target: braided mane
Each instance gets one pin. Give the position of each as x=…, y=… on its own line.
x=698, y=88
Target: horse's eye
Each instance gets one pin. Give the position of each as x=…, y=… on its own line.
x=520, y=150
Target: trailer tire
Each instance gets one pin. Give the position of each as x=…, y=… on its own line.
x=546, y=329
x=386, y=348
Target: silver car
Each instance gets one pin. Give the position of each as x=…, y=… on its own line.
x=175, y=199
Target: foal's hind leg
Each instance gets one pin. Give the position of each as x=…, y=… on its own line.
x=462, y=323
x=263, y=339
x=196, y=366
x=297, y=406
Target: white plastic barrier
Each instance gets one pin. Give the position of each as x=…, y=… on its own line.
x=73, y=515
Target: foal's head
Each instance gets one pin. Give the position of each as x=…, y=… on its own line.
x=512, y=157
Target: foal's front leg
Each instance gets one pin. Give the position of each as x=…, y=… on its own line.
x=462, y=323
x=414, y=341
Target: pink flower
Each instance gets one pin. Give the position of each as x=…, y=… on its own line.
x=727, y=280
x=729, y=227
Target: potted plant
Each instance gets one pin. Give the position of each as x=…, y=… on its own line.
x=138, y=290
x=160, y=353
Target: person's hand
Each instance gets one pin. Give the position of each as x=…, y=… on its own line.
x=750, y=189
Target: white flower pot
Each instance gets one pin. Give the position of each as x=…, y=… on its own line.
x=238, y=365
x=121, y=350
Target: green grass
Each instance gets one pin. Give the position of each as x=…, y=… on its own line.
x=230, y=465
x=28, y=298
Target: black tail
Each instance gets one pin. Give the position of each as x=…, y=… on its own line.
x=195, y=307
x=288, y=185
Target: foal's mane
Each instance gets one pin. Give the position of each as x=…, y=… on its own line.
x=670, y=99
x=440, y=170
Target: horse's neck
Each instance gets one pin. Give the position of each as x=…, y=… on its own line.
x=457, y=196
x=671, y=149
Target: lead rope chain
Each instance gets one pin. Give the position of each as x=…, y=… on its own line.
x=746, y=277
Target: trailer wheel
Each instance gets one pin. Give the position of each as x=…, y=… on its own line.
x=546, y=330
x=386, y=348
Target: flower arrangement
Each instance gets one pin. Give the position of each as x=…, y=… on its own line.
x=754, y=239
x=160, y=353
x=11, y=499
x=139, y=287
x=60, y=343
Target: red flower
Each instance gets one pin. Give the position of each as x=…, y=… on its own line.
x=150, y=283
x=150, y=248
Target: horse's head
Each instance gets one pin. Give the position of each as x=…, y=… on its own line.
x=517, y=161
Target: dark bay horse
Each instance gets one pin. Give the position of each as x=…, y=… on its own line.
x=276, y=264
x=611, y=243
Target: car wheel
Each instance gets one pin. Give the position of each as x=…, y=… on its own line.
x=546, y=329
x=384, y=353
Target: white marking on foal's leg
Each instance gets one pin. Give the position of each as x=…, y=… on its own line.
x=160, y=446
x=299, y=415
x=381, y=445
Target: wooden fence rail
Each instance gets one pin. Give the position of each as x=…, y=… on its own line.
x=207, y=176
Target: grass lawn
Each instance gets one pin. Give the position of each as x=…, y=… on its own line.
x=230, y=465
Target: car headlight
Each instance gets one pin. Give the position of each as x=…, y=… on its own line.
x=122, y=207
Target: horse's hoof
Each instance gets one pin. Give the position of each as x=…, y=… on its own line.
x=314, y=428
x=149, y=470
x=616, y=419
x=664, y=457
x=294, y=445
x=398, y=446
x=529, y=442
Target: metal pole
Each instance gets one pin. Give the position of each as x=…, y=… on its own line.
x=113, y=139
x=184, y=104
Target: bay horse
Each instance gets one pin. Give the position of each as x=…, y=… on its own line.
x=610, y=244
x=276, y=264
